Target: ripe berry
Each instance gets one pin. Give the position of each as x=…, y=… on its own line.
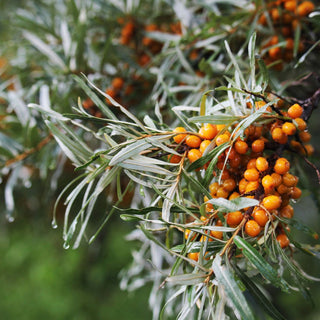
x=222, y=138
x=234, y=195
x=193, y=256
x=302, y=125
x=282, y=166
x=173, y=158
x=242, y=185
x=193, y=141
x=257, y=145
x=117, y=83
x=296, y=193
x=290, y=5
x=251, y=174
x=262, y=164
x=283, y=240
x=252, y=228
x=261, y=217
x=305, y=8
x=213, y=188
x=222, y=193
x=268, y=182
x=208, y=132
x=289, y=180
x=295, y=111
x=287, y=212
x=234, y=218
x=252, y=185
x=204, y=145
x=179, y=137
x=289, y=128
x=241, y=147
x=277, y=134
x=305, y=136
x=235, y=162
x=271, y=202
x=194, y=154
x=251, y=164
x=277, y=178
x=229, y=184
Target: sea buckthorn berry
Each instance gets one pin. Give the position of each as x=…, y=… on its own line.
x=217, y=234
x=290, y=5
x=242, y=185
x=225, y=174
x=252, y=164
x=287, y=212
x=277, y=178
x=193, y=141
x=257, y=145
x=229, y=184
x=117, y=83
x=234, y=218
x=302, y=125
x=283, y=240
x=261, y=217
x=305, y=8
x=193, y=256
x=220, y=127
x=275, y=53
x=194, y=154
x=174, y=158
x=296, y=193
x=252, y=185
x=222, y=138
x=282, y=166
x=283, y=189
x=304, y=136
x=268, y=182
x=295, y=111
x=179, y=137
x=235, y=162
x=187, y=233
x=289, y=180
x=213, y=188
x=289, y=128
x=271, y=202
x=234, y=195
x=308, y=149
x=252, y=228
x=222, y=193
x=262, y=164
x=241, y=147
x=251, y=174
x=277, y=134
x=208, y=132
x=204, y=145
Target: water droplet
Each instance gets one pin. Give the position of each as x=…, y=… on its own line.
x=54, y=224
x=27, y=184
x=66, y=246
x=10, y=218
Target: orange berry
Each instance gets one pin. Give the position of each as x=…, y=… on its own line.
x=289, y=44
x=220, y=127
x=252, y=185
x=179, y=137
x=229, y=184
x=251, y=174
x=277, y=179
x=173, y=158
x=289, y=180
x=234, y=218
x=271, y=202
x=275, y=53
x=290, y=5
x=304, y=136
x=208, y=132
x=296, y=193
x=204, y=145
x=283, y=240
x=268, y=182
x=302, y=125
x=242, y=185
x=295, y=111
x=282, y=166
x=222, y=193
x=117, y=83
x=234, y=195
x=225, y=174
x=194, y=154
x=241, y=147
x=193, y=256
x=277, y=134
x=305, y=8
x=275, y=14
x=308, y=149
x=187, y=233
x=193, y=141
x=216, y=234
x=251, y=164
x=289, y=128
x=257, y=145
x=287, y=212
x=213, y=188
x=222, y=138
x=252, y=228
x=261, y=217
x=235, y=162
x=283, y=189
x=262, y=164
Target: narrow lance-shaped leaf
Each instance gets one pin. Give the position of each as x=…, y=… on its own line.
x=234, y=204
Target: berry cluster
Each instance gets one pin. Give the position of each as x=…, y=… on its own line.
x=284, y=16
x=252, y=166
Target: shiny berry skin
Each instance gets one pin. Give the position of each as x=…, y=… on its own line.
x=296, y=193
x=193, y=256
x=277, y=134
x=222, y=138
x=289, y=180
x=241, y=147
x=268, y=182
x=261, y=217
x=204, y=145
x=302, y=125
x=208, y=132
x=222, y=193
x=179, y=137
x=194, y=154
x=257, y=145
x=305, y=8
x=271, y=202
x=173, y=158
x=252, y=228
x=305, y=136
x=289, y=128
x=283, y=240
x=282, y=166
x=213, y=188
x=234, y=218
x=193, y=141
x=242, y=185
x=295, y=111
x=277, y=178
x=234, y=195
x=251, y=174
x=251, y=164
x=229, y=184
x=262, y=164
x=216, y=234
x=252, y=185
x=287, y=212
